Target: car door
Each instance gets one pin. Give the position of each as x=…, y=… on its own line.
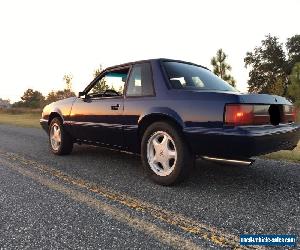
x=97, y=116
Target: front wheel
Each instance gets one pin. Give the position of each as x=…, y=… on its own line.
x=166, y=157
x=60, y=141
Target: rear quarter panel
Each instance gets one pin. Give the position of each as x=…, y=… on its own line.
x=200, y=109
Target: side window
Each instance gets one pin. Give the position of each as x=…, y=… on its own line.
x=140, y=82
x=111, y=84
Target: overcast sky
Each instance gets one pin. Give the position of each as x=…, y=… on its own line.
x=40, y=40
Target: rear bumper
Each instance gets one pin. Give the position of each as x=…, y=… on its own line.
x=242, y=142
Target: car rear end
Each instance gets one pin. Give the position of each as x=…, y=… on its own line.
x=254, y=125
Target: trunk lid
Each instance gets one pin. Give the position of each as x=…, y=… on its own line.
x=263, y=99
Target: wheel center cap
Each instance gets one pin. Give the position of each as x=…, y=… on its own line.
x=161, y=153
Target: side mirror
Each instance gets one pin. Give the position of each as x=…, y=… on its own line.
x=81, y=93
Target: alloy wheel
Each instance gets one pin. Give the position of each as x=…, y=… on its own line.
x=55, y=136
x=161, y=153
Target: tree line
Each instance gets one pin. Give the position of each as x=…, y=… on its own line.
x=35, y=99
x=274, y=68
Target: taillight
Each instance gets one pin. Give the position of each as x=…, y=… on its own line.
x=246, y=114
x=289, y=114
x=236, y=114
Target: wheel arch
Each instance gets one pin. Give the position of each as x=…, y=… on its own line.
x=166, y=114
x=54, y=114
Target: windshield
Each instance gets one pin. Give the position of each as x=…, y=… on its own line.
x=187, y=76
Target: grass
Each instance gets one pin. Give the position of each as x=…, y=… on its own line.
x=21, y=117
x=289, y=155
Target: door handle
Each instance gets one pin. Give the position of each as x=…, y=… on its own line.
x=115, y=107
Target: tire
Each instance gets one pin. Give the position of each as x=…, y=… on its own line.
x=65, y=146
x=158, y=145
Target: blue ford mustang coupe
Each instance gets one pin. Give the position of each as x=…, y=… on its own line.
x=171, y=112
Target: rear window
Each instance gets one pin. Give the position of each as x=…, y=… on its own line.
x=188, y=76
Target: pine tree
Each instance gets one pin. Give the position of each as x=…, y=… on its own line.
x=101, y=86
x=221, y=68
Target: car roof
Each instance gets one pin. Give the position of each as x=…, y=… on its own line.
x=159, y=60
x=155, y=59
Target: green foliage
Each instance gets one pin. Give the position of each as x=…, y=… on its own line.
x=294, y=87
x=221, y=67
x=98, y=71
x=4, y=104
x=121, y=90
x=68, y=81
x=270, y=66
x=101, y=86
x=54, y=96
x=293, y=50
x=295, y=75
x=31, y=99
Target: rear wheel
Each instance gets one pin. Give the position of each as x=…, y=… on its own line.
x=61, y=143
x=165, y=155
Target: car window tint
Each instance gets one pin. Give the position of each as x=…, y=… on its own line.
x=112, y=83
x=140, y=81
x=188, y=76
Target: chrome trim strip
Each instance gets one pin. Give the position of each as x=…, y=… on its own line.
x=101, y=124
x=227, y=160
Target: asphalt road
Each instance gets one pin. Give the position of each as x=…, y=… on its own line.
x=98, y=198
